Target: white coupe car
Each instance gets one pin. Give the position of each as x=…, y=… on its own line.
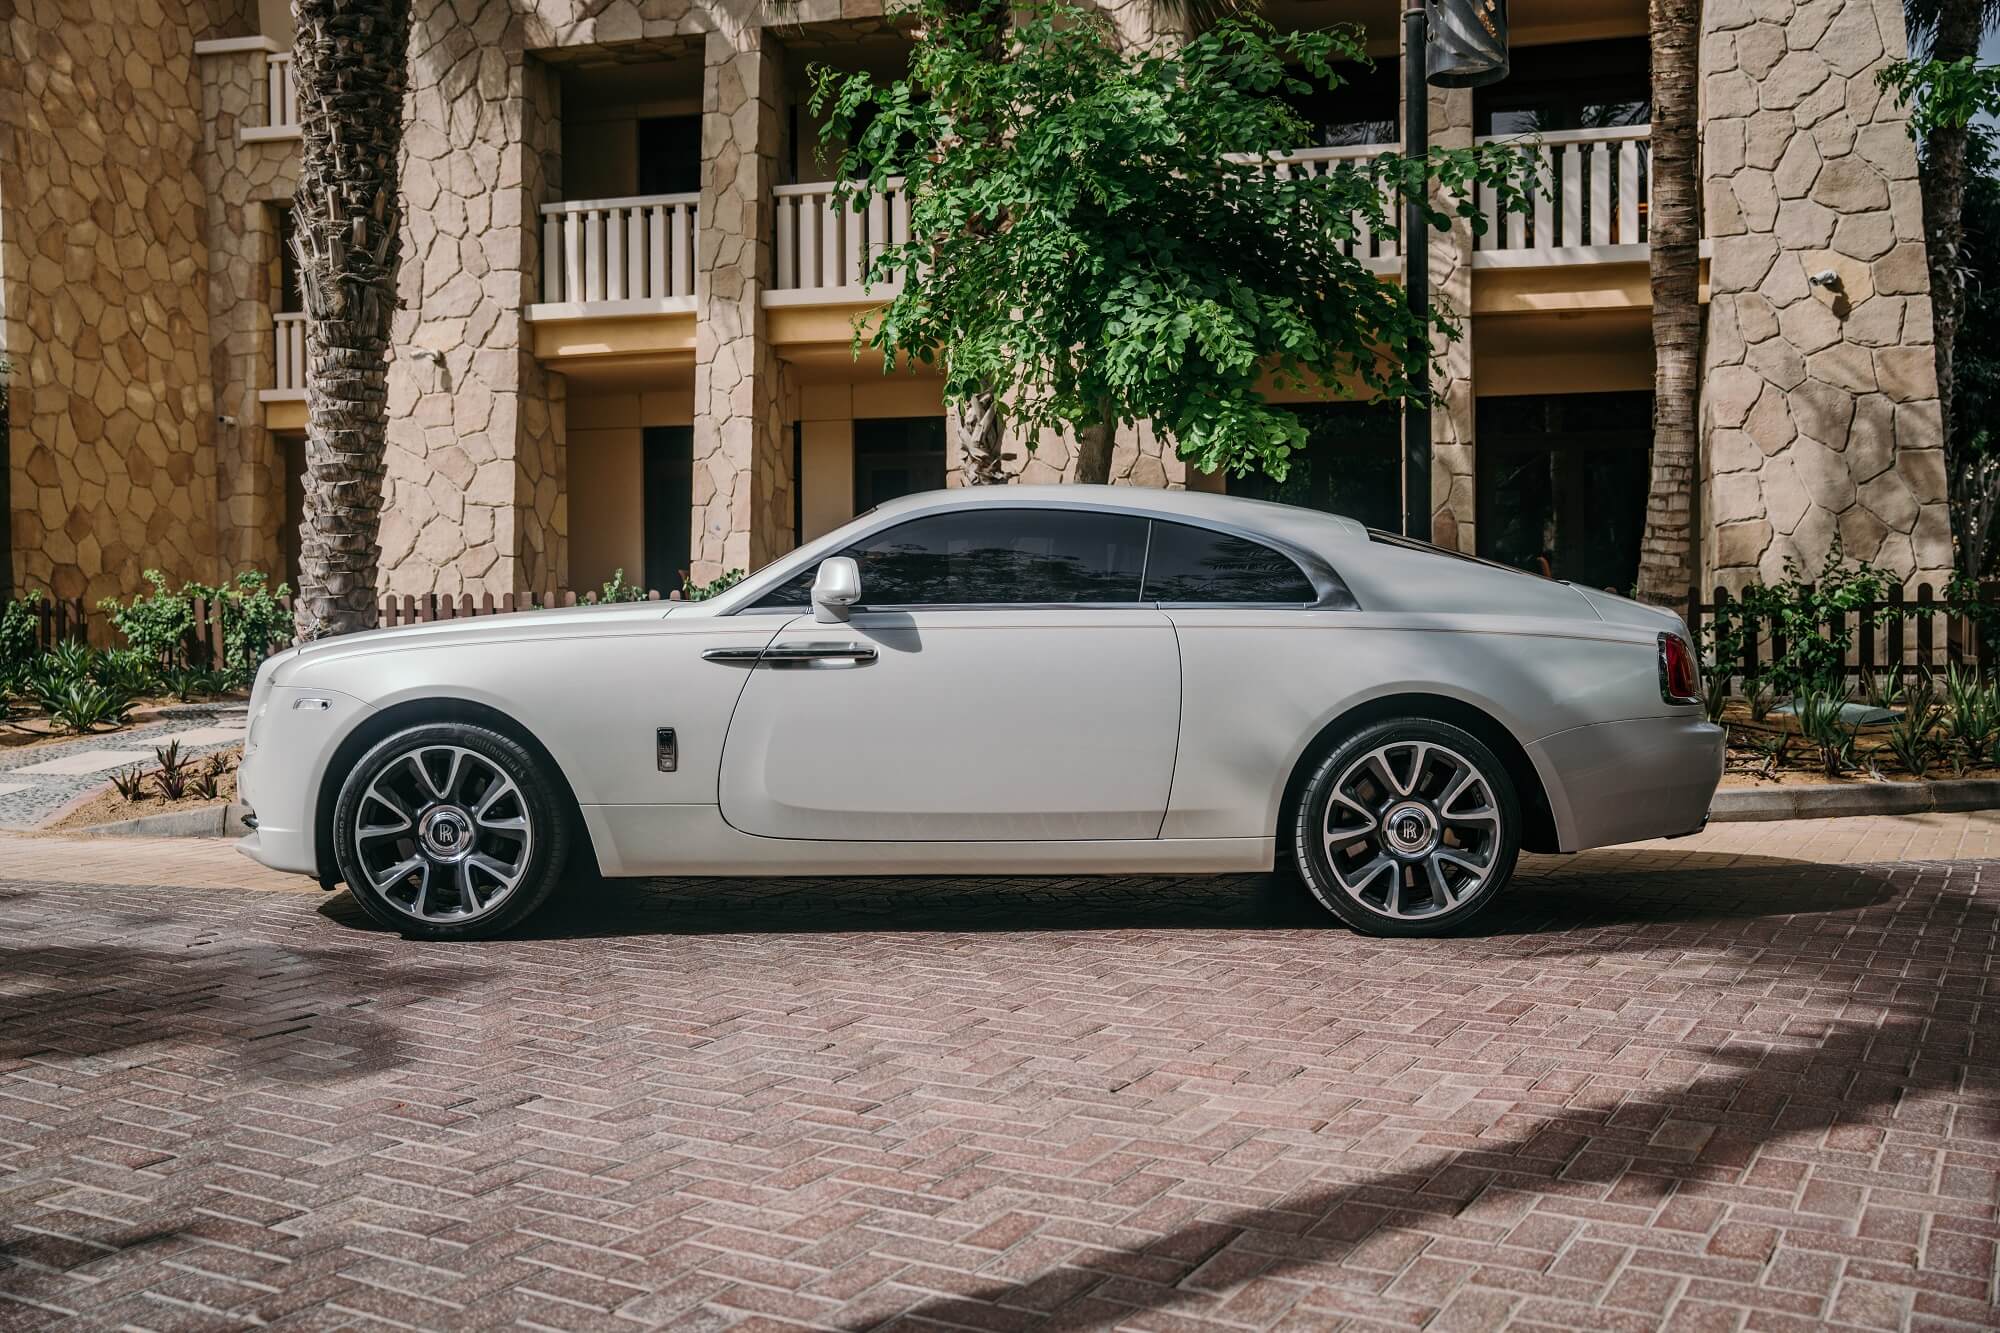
x=1007, y=680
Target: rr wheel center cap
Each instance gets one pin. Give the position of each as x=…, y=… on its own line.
x=1410, y=828
x=446, y=833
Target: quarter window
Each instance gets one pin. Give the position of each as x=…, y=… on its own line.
x=993, y=557
x=1196, y=565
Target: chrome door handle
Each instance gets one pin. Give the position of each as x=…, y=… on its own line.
x=820, y=655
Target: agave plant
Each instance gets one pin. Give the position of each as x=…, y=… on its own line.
x=1884, y=689
x=1913, y=737
x=1818, y=708
x=1972, y=716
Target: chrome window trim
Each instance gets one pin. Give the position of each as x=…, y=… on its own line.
x=1333, y=591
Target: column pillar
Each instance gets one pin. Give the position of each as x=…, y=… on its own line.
x=1453, y=479
x=474, y=488
x=742, y=446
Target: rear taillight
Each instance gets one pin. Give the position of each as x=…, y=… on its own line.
x=1680, y=677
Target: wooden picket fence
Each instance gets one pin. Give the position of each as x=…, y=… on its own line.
x=66, y=619
x=1913, y=631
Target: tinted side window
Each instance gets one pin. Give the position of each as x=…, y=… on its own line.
x=988, y=556
x=1195, y=565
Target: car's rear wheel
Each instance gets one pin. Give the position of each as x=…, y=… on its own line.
x=449, y=831
x=1407, y=827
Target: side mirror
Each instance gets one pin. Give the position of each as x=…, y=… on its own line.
x=836, y=587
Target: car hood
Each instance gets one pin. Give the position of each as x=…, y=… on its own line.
x=498, y=628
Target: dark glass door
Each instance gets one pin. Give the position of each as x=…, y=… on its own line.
x=896, y=456
x=670, y=155
x=1351, y=465
x=669, y=504
x=1562, y=478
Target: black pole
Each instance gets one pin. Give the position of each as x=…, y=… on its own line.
x=1417, y=279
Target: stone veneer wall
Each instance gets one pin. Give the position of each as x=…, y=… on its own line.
x=103, y=291
x=1820, y=412
x=475, y=499
x=1454, y=496
x=247, y=186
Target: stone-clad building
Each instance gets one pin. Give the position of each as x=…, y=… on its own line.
x=625, y=339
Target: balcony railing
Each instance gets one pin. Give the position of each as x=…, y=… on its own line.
x=281, y=92
x=620, y=256
x=288, y=377
x=825, y=247
x=1596, y=188
x=1379, y=251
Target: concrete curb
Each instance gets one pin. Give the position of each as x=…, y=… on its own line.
x=1751, y=804
x=210, y=821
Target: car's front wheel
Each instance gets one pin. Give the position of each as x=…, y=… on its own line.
x=1407, y=827
x=449, y=830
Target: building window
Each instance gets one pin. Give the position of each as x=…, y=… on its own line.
x=1351, y=465
x=1562, y=479
x=1570, y=86
x=668, y=468
x=670, y=155
x=896, y=456
x=1365, y=109
x=290, y=296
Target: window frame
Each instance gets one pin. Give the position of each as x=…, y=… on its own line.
x=1332, y=591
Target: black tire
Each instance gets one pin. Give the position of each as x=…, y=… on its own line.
x=1429, y=849
x=368, y=853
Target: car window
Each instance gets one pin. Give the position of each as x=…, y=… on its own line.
x=1187, y=564
x=986, y=556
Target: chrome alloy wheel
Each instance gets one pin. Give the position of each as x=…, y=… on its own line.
x=1412, y=830
x=443, y=834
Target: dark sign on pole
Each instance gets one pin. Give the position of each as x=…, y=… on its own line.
x=1468, y=46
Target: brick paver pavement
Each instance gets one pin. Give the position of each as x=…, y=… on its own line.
x=1709, y=1084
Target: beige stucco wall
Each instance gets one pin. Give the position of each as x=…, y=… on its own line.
x=607, y=478
x=104, y=291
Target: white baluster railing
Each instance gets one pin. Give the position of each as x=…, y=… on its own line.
x=612, y=251
x=826, y=246
x=281, y=92
x=1595, y=186
x=1377, y=248
x=289, y=377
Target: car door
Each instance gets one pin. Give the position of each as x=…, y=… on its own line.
x=998, y=680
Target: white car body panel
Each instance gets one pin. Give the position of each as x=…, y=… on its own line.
x=1017, y=724
x=1047, y=740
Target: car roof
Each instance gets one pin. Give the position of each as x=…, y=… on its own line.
x=1289, y=524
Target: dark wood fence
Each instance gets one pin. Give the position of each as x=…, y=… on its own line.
x=1913, y=631
x=64, y=619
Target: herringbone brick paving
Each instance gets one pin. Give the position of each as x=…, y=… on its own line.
x=1689, y=1090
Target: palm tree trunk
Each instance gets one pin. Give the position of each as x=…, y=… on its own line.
x=350, y=58
x=1942, y=181
x=975, y=424
x=1093, y=448
x=1668, y=559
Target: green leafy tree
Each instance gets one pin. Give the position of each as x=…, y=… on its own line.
x=1945, y=90
x=1104, y=236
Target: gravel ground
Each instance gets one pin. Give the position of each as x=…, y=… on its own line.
x=29, y=799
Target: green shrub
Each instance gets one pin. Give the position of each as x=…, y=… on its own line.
x=125, y=671
x=616, y=589
x=1812, y=616
x=20, y=630
x=701, y=592
x=161, y=624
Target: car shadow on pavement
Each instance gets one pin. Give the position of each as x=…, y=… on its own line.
x=1671, y=1159
x=335, y=1013
x=1550, y=897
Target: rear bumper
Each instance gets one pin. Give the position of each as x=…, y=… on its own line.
x=1629, y=781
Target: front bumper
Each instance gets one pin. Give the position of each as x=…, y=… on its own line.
x=1630, y=781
